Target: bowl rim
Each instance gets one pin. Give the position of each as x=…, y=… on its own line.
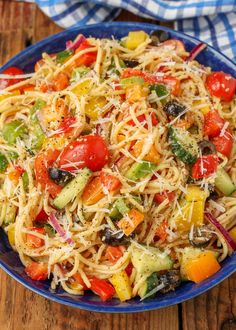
x=125, y=308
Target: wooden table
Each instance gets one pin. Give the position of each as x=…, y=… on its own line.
x=22, y=24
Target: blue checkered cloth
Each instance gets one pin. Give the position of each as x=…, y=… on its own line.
x=212, y=21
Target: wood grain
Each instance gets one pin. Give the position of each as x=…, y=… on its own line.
x=22, y=24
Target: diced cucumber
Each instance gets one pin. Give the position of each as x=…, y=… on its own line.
x=119, y=209
x=63, y=55
x=184, y=146
x=25, y=179
x=151, y=283
x=49, y=230
x=140, y=170
x=10, y=215
x=224, y=183
x=39, y=104
x=3, y=163
x=14, y=130
x=79, y=72
x=150, y=259
x=161, y=91
x=128, y=82
x=72, y=189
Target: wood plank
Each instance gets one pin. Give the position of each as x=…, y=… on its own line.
x=21, y=309
x=213, y=310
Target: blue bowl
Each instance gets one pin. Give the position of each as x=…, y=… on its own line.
x=9, y=260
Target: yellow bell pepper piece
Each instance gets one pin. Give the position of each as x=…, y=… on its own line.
x=204, y=109
x=94, y=106
x=5, y=96
x=83, y=88
x=153, y=156
x=135, y=93
x=232, y=233
x=195, y=194
x=121, y=283
x=56, y=142
x=134, y=39
x=192, y=209
x=11, y=234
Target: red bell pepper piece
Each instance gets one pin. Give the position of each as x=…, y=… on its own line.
x=205, y=166
x=161, y=232
x=129, y=269
x=221, y=85
x=142, y=118
x=41, y=217
x=78, y=279
x=150, y=78
x=113, y=253
x=88, y=58
x=160, y=197
x=66, y=125
x=110, y=182
x=37, y=271
x=102, y=287
x=34, y=241
x=224, y=143
x=213, y=123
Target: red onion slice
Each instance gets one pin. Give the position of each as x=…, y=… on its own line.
x=221, y=229
x=55, y=224
x=195, y=51
x=72, y=45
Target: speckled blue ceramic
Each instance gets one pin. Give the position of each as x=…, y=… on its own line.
x=9, y=260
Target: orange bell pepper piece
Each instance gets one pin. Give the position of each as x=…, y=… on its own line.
x=93, y=192
x=110, y=182
x=202, y=267
x=129, y=223
x=113, y=253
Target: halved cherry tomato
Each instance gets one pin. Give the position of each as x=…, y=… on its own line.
x=161, y=232
x=224, y=143
x=37, y=271
x=151, y=78
x=160, y=197
x=43, y=161
x=213, y=123
x=87, y=151
x=66, y=125
x=12, y=71
x=102, y=287
x=113, y=253
x=78, y=279
x=110, y=182
x=88, y=58
x=221, y=85
x=34, y=241
x=41, y=217
x=205, y=166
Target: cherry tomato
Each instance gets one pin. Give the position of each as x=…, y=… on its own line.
x=160, y=197
x=12, y=71
x=213, y=123
x=37, y=271
x=34, y=241
x=67, y=124
x=221, y=85
x=224, y=144
x=88, y=151
x=43, y=161
x=205, y=166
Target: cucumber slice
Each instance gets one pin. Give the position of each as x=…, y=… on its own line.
x=184, y=146
x=150, y=259
x=140, y=170
x=224, y=183
x=72, y=189
x=151, y=283
x=119, y=209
